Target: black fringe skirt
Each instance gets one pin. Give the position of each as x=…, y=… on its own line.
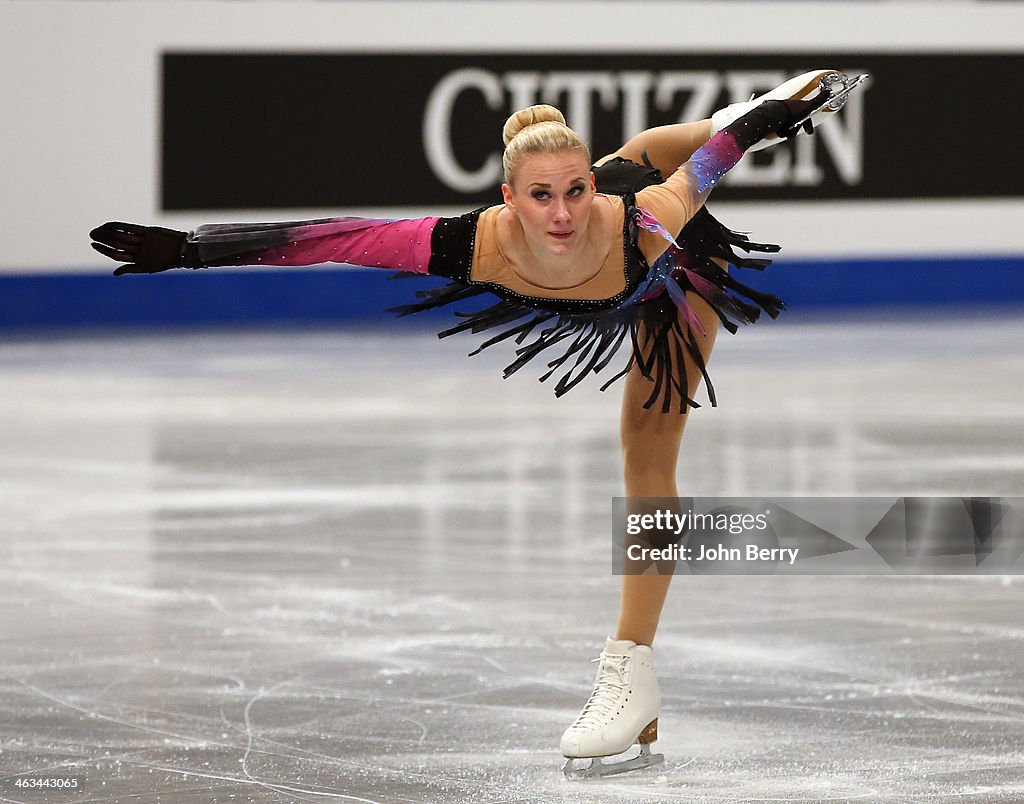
x=656, y=323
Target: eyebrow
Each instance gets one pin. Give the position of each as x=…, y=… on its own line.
x=543, y=184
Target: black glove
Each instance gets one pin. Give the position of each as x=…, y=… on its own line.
x=144, y=249
x=799, y=113
x=782, y=117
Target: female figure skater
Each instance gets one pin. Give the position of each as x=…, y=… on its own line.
x=582, y=258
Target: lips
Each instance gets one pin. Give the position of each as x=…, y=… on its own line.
x=561, y=235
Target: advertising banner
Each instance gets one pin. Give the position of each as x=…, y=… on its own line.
x=300, y=130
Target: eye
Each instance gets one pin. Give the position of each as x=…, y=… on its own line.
x=577, y=190
x=540, y=195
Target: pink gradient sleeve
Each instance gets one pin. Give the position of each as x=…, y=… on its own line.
x=402, y=245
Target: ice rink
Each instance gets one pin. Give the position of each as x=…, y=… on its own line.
x=279, y=566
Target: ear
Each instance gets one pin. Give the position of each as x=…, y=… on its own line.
x=506, y=194
x=593, y=182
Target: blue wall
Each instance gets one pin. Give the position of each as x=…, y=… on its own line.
x=332, y=295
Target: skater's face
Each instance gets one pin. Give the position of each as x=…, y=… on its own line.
x=551, y=195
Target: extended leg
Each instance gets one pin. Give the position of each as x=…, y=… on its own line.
x=666, y=147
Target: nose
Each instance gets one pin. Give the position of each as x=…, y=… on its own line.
x=560, y=213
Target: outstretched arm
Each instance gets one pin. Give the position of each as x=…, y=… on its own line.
x=369, y=242
x=665, y=147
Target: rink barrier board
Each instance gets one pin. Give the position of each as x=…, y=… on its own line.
x=340, y=295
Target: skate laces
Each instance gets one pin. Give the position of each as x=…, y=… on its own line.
x=611, y=681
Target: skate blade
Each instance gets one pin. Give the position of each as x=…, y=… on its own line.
x=598, y=769
x=838, y=89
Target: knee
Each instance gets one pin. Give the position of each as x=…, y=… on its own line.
x=649, y=458
x=649, y=475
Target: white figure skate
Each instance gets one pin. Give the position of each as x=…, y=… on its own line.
x=833, y=86
x=622, y=711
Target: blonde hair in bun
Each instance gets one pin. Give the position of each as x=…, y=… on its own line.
x=537, y=129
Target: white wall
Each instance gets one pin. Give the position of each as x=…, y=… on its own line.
x=79, y=83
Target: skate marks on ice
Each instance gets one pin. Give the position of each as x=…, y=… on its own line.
x=226, y=570
x=758, y=714
x=851, y=689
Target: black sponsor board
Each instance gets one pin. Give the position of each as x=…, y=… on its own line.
x=287, y=130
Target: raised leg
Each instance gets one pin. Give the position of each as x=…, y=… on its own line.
x=666, y=147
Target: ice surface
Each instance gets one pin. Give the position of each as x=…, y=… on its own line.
x=273, y=566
